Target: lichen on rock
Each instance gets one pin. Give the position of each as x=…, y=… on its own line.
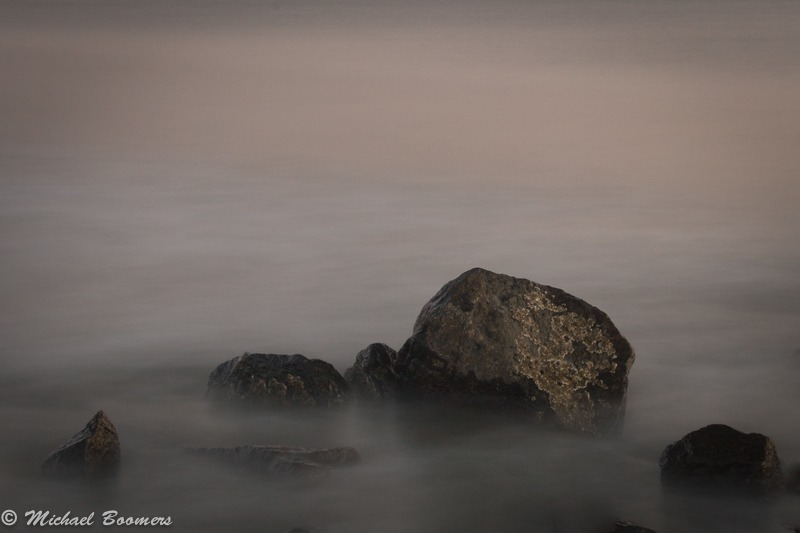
x=492, y=339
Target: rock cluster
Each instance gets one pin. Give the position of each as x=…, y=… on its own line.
x=94, y=452
x=280, y=380
x=484, y=339
x=720, y=455
x=302, y=462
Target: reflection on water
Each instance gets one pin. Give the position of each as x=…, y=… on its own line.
x=186, y=181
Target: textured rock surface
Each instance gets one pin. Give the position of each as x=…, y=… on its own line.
x=301, y=462
x=624, y=526
x=494, y=340
x=372, y=375
x=278, y=380
x=723, y=455
x=93, y=452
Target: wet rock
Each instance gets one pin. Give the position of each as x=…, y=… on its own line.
x=793, y=479
x=625, y=526
x=94, y=452
x=280, y=380
x=372, y=375
x=722, y=456
x=301, y=462
x=492, y=340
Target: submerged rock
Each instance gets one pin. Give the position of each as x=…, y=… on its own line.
x=625, y=526
x=278, y=380
x=493, y=340
x=302, y=462
x=720, y=455
x=372, y=375
x=94, y=452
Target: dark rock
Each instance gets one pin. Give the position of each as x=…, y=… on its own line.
x=94, y=452
x=278, y=380
x=492, y=340
x=722, y=456
x=624, y=526
x=298, y=530
x=793, y=479
x=372, y=375
x=302, y=462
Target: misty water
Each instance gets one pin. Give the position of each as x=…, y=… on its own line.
x=186, y=181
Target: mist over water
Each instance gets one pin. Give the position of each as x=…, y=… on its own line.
x=186, y=181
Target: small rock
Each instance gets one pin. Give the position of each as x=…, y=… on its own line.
x=793, y=479
x=279, y=380
x=372, y=375
x=496, y=341
x=94, y=452
x=301, y=462
x=625, y=526
x=718, y=454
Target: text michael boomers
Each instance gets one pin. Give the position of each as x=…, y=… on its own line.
x=110, y=518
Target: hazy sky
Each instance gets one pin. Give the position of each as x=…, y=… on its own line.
x=624, y=91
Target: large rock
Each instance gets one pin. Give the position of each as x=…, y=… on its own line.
x=93, y=452
x=301, y=462
x=372, y=375
x=278, y=380
x=718, y=454
x=493, y=340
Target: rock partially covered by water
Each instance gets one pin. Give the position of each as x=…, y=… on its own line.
x=493, y=340
x=793, y=479
x=280, y=380
x=93, y=452
x=720, y=455
x=625, y=526
x=372, y=375
x=301, y=462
